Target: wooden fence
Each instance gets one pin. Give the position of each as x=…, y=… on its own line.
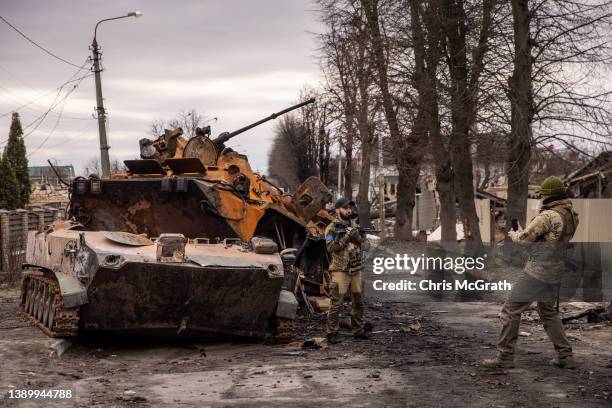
x=14, y=227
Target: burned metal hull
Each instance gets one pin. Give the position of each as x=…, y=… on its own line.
x=181, y=299
x=144, y=206
x=213, y=290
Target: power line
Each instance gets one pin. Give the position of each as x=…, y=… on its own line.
x=32, y=102
x=52, y=130
x=43, y=96
x=16, y=77
x=42, y=117
x=55, y=126
x=63, y=142
x=29, y=102
x=54, y=104
x=58, y=118
x=38, y=45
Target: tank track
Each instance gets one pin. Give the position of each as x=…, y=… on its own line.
x=41, y=303
x=286, y=330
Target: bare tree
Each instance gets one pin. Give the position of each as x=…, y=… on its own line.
x=464, y=83
x=407, y=144
x=93, y=166
x=428, y=40
x=521, y=100
x=315, y=120
x=337, y=62
x=465, y=76
x=346, y=61
x=561, y=49
x=188, y=120
x=288, y=161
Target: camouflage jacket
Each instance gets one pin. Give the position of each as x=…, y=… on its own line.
x=556, y=223
x=345, y=255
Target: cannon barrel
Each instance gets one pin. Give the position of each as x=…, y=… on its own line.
x=225, y=136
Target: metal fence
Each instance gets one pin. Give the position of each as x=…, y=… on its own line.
x=14, y=227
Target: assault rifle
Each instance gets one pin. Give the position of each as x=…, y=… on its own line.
x=340, y=229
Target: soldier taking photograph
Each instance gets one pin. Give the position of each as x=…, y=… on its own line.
x=539, y=282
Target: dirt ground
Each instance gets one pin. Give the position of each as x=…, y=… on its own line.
x=420, y=353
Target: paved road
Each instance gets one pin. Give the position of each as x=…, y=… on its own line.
x=420, y=354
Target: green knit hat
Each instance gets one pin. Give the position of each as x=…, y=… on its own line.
x=551, y=186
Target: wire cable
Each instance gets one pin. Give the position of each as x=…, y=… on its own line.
x=59, y=117
x=54, y=104
x=43, y=96
x=68, y=139
x=72, y=138
x=39, y=120
x=37, y=109
x=38, y=45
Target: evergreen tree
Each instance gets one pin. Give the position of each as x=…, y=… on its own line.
x=9, y=188
x=15, y=152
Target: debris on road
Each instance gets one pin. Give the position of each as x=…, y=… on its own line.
x=59, y=347
x=594, y=315
x=412, y=328
x=131, y=395
x=315, y=343
x=319, y=303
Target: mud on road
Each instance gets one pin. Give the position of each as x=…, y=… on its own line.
x=419, y=354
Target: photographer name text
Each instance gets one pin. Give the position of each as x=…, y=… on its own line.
x=429, y=285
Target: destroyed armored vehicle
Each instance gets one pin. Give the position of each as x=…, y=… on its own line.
x=188, y=240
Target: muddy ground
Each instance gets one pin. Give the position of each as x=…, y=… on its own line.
x=420, y=353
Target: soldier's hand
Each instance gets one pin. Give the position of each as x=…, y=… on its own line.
x=353, y=234
x=512, y=233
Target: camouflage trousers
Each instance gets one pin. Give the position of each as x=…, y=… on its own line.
x=526, y=291
x=340, y=284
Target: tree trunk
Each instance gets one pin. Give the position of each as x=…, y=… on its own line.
x=349, y=114
x=406, y=189
x=521, y=99
x=348, y=162
x=407, y=161
x=426, y=65
x=464, y=92
x=363, y=203
x=445, y=186
x=487, y=175
x=323, y=154
x=367, y=140
x=464, y=181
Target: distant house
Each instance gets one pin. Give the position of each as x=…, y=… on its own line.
x=46, y=176
x=593, y=179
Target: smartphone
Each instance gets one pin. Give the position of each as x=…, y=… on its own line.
x=514, y=223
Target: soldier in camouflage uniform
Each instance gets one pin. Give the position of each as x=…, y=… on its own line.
x=555, y=223
x=346, y=262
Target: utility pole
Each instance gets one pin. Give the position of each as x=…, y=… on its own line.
x=381, y=188
x=104, y=159
x=104, y=147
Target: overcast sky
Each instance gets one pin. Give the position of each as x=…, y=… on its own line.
x=238, y=60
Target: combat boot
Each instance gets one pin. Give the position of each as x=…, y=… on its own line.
x=361, y=336
x=497, y=362
x=332, y=338
x=563, y=362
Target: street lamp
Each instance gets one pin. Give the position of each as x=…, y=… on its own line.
x=104, y=147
